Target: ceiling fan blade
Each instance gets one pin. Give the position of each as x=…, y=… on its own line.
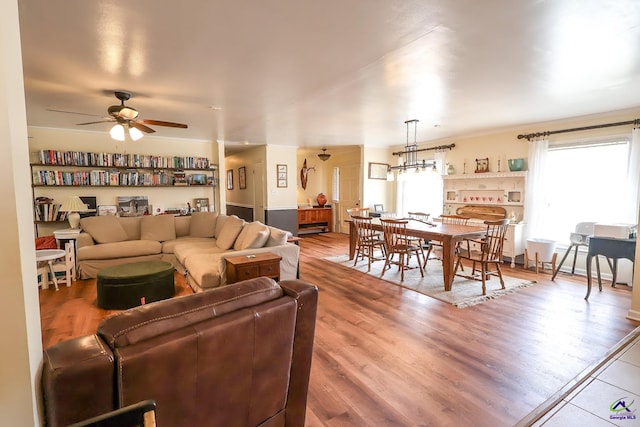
x=141, y=127
x=73, y=112
x=161, y=123
x=93, y=123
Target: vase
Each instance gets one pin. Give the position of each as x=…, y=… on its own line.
x=321, y=199
x=450, y=170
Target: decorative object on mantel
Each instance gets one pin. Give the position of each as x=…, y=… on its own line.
x=515, y=164
x=73, y=205
x=450, y=169
x=482, y=165
x=304, y=173
x=322, y=200
x=324, y=156
x=410, y=154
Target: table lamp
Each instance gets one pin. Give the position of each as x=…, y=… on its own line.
x=72, y=206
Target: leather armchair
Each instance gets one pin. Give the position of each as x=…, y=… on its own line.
x=239, y=355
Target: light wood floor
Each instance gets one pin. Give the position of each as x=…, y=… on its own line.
x=387, y=356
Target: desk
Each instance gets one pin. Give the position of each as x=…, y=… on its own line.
x=610, y=248
x=48, y=256
x=448, y=234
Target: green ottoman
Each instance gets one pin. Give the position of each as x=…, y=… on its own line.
x=128, y=285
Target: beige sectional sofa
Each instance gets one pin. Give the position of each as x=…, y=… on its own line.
x=196, y=245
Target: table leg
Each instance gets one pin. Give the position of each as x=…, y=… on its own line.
x=588, y=276
x=448, y=258
x=352, y=240
x=53, y=274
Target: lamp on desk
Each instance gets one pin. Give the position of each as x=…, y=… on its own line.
x=72, y=206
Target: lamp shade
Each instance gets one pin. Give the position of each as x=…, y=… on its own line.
x=324, y=156
x=117, y=132
x=73, y=205
x=135, y=133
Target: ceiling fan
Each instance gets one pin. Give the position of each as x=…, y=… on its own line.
x=127, y=117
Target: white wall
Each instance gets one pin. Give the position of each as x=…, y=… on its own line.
x=281, y=197
x=377, y=191
x=19, y=308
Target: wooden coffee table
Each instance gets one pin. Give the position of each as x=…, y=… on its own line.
x=246, y=267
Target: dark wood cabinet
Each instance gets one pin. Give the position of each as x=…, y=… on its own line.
x=251, y=266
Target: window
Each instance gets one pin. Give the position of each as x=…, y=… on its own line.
x=584, y=182
x=421, y=192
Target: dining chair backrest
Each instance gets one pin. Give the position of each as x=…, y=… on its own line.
x=420, y=216
x=494, y=240
x=364, y=228
x=454, y=219
x=363, y=212
x=395, y=233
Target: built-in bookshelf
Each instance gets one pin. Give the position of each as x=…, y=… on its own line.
x=57, y=169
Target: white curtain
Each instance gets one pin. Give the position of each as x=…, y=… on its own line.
x=535, y=200
x=633, y=178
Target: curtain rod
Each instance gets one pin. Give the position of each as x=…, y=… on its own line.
x=528, y=136
x=439, y=147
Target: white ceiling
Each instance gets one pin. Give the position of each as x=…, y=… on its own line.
x=331, y=72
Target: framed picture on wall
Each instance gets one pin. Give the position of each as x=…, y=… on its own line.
x=230, y=179
x=242, y=177
x=378, y=170
x=282, y=176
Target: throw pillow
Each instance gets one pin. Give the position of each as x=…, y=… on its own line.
x=253, y=235
x=104, y=229
x=222, y=219
x=158, y=227
x=46, y=242
x=277, y=237
x=232, y=227
x=203, y=224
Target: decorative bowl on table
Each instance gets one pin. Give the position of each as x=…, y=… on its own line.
x=515, y=164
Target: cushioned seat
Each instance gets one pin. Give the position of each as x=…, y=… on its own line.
x=129, y=285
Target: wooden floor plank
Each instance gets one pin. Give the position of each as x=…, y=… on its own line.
x=385, y=355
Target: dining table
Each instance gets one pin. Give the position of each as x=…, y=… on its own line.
x=449, y=235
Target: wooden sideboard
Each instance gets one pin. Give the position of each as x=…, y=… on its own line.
x=314, y=220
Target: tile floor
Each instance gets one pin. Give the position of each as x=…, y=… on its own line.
x=610, y=396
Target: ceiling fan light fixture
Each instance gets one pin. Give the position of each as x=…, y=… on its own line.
x=324, y=156
x=135, y=133
x=117, y=132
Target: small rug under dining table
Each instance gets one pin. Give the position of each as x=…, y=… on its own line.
x=464, y=292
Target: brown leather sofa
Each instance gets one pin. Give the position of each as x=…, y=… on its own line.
x=238, y=355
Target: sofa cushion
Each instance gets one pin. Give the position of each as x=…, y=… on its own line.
x=129, y=248
x=220, y=222
x=227, y=237
x=104, y=229
x=277, y=237
x=253, y=235
x=157, y=227
x=182, y=224
x=131, y=225
x=203, y=224
x=183, y=250
x=169, y=246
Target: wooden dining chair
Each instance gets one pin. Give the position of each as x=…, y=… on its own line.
x=368, y=240
x=397, y=243
x=358, y=212
x=489, y=256
x=434, y=244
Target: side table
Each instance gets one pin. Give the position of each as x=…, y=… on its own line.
x=246, y=267
x=69, y=235
x=48, y=256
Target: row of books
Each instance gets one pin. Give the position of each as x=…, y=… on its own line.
x=49, y=212
x=82, y=158
x=101, y=177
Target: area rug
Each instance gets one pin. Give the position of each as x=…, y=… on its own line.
x=464, y=292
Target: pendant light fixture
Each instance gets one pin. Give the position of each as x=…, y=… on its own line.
x=324, y=156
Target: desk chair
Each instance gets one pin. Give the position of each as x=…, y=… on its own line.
x=367, y=241
x=489, y=254
x=396, y=243
x=580, y=237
